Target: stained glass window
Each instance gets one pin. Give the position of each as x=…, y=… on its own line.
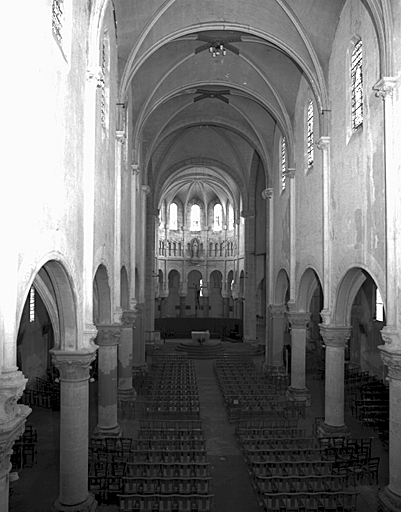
x=356, y=86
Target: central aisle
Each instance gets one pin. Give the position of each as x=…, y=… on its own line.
x=232, y=486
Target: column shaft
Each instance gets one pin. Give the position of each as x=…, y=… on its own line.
x=138, y=356
x=390, y=496
x=108, y=339
x=182, y=306
x=335, y=339
x=275, y=349
x=74, y=425
x=298, y=391
x=125, y=350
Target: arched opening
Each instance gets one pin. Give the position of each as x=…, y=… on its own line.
x=101, y=297
x=124, y=290
x=193, y=299
x=215, y=297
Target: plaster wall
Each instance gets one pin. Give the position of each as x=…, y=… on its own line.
x=357, y=178
x=281, y=213
x=308, y=189
x=46, y=175
x=105, y=214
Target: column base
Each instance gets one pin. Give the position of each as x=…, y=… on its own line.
x=388, y=501
x=325, y=430
x=299, y=395
x=89, y=505
x=116, y=431
x=126, y=395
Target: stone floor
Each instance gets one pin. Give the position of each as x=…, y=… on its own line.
x=37, y=487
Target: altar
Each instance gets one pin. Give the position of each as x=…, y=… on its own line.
x=196, y=336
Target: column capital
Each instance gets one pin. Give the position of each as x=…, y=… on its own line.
x=73, y=366
x=335, y=336
x=278, y=311
x=108, y=335
x=323, y=142
x=121, y=137
x=299, y=320
x=391, y=338
x=12, y=385
x=246, y=214
x=392, y=360
x=135, y=169
x=94, y=74
x=146, y=189
x=8, y=435
x=289, y=173
x=267, y=193
x=384, y=87
x=128, y=318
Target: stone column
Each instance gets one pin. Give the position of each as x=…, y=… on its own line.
x=205, y=303
x=74, y=425
x=12, y=424
x=323, y=144
x=182, y=305
x=226, y=307
x=108, y=338
x=390, y=496
x=138, y=356
x=249, y=317
x=275, y=349
x=125, y=391
x=335, y=339
x=297, y=391
x=267, y=195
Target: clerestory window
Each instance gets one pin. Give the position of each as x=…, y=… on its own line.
x=283, y=163
x=356, y=86
x=309, y=137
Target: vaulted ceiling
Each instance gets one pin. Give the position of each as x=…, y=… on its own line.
x=196, y=114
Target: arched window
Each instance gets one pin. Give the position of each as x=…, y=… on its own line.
x=32, y=304
x=356, y=86
x=174, y=249
x=173, y=216
x=283, y=163
x=309, y=134
x=195, y=217
x=379, y=307
x=230, y=222
x=217, y=217
x=105, y=82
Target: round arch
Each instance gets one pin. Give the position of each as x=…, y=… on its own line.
x=308, y=284
x=101, y=297
x=282, y=287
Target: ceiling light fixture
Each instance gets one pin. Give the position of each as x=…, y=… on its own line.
x=216, y=48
